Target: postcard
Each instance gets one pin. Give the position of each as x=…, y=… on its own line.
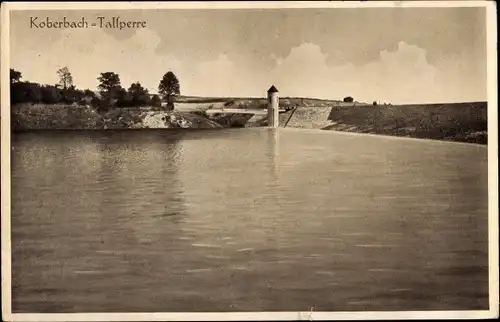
x=286, y=160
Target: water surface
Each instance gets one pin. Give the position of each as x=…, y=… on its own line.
x=246, y=220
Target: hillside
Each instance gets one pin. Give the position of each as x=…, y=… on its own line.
x=71, y=117
x=463, y=122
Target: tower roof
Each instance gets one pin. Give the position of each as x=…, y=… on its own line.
x=272, y=89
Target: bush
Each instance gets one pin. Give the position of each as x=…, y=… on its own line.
x=101, y=105
x=50, y=95
x=156, y=101
x=170, y=106
x=26, y=92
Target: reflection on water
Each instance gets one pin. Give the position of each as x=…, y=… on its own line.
x=246, y=220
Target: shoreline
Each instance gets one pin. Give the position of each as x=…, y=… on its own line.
x=460, y=122
x=383, y=136
x=184, y=130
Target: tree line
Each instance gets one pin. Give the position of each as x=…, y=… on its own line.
x=110, y=92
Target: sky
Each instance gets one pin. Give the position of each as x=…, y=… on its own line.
x=393, y=55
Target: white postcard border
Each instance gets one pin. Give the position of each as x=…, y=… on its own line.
x=227, y=316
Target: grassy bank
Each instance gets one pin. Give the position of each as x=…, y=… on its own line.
x=461, y=122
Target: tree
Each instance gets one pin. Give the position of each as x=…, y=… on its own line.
x=109, y=87
x=50, y=94
x=348, y=99
x=32, y=92
x=156, y=100
x=109, y=82
x=87, y=97
x=123, y=98
x=65, y=78
x=78, y=96
x=88, y=92
x=169, y=87
x=16, y=87
x=138, y=94
x=71, y=95
x=15, y=76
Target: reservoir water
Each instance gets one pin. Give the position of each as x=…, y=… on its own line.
x=246, y=220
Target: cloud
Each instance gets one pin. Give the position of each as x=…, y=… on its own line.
x=215, y=78
x=395, y=76
x=401, y=76
x=89, y=52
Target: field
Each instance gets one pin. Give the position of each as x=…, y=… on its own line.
x=256, y=102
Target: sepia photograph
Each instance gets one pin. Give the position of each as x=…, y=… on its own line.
x=249, y=160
